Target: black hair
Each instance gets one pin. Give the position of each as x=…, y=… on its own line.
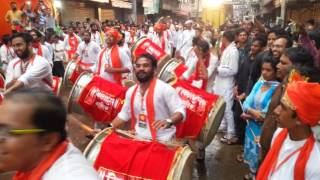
x=261, y=40
x=315, y=35
x=151, y=58
x=240, y=30
x=6, y=39
x=13, y=2
x=288, y=38
x=38, y=33
x=271, y=60
x=25, y=36
x=309, y=71
x=203, y=46
x=311, y=21
x=86, y=31
x=49, y=112
x=195, y=40
x=229, y=35
x=299, y=56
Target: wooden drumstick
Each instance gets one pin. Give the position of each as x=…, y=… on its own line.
x=76, y=121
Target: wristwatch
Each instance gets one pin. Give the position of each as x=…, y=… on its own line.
x=169, y=121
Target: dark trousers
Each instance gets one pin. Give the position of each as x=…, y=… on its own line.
x=240, y=124
x=58, y=69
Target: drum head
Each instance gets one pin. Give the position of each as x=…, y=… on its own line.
x=183, y=165
x=78, y=87
x=214, y=120
x=92, y=150
x=68, y=72
x=167, y=74
x=133, y=48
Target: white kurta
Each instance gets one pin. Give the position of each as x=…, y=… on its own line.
x=38, y=73
x=167, y=102
x=185, y=41
x=96, y=38
x=224, y=83
x=45, y=53
x=106, y=61
x=71, y=165
x=88, y=53
x=59, y=54
x=286, y=171
x=158, y=40
x=7, y=54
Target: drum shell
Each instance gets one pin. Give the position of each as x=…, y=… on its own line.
x=181, y=169
x=71, y=67
x=160, y=55
x=215, y=115
x=2, y=81
x=57, y=85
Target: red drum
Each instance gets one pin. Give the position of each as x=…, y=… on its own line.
x=145, y=45
x=120, y=155
x=2, y=82
x=72, y=72
x=204, y=113
x=100, y=99
x=56, y=85
x=172, y=70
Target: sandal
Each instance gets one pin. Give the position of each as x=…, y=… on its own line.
x=249, y=176
x=240, y=158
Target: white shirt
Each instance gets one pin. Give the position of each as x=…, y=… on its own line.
x=45, y=53
x=66, y=41
x=38, y=73
x=106, y=61
x=227, y=69
x=158, y=40
x=286, y=171
x=71, y=165
x=185, y=41
x=96, y=37
x=59, y=54
x=7, y=54
x=88, y=53
x=167, y=102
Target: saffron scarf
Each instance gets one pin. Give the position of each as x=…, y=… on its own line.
x=44, y=165
x=150, y=107
x=270, y=162
x=37, y=45
x=115, y=62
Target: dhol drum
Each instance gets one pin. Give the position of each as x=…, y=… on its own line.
x=2, y=81
x=94, y=96
x=56, y=85
x=71, y=67
x=145, y=45
x=180, y=167
x=216, y=112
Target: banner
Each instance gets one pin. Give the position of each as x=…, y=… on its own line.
x=125, y=159
x=153, y=8
x=102, y=99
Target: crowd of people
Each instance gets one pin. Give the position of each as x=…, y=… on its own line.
x=268, y=76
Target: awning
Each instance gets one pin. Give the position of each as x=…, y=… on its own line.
x=126, y=4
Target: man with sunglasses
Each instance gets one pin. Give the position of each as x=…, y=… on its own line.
x=33, y=139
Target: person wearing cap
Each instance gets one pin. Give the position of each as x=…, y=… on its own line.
x=161, y=37
x=295, y=153
x=39, y=48
x=33, y=139
x=113, y=61
x=184, y=42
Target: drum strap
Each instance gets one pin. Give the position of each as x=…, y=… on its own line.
x=150, y=107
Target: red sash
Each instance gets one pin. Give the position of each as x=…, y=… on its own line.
x=73, y=43
x=163, y=42
x=269, y=163
x=38, y=47
x=122, y=158
x=44, y=165
x=196, y=74
x=150, y=108
x=102, y=99
x=115, y=61
x=198, y=105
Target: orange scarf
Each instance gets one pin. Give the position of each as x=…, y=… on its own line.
x=197, y=72
x=73, y=42
x=44, y=165
x=38, y=47
x=270, y=162
x=115, y=61
x=150, y=107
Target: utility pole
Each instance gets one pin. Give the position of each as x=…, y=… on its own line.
x=283, y=11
